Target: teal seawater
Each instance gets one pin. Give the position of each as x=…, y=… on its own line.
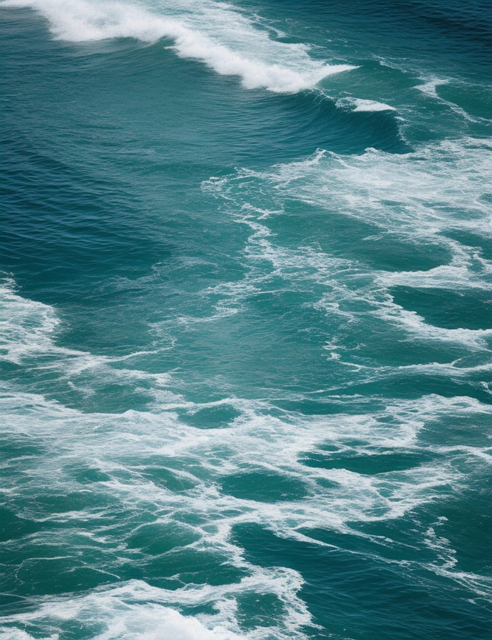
x=246, y=320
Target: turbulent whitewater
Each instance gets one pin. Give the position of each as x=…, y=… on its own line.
x=245, y=320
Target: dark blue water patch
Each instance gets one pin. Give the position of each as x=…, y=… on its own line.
x=471, y=428
x=446, y=308
x=475, y=100
x=322, y=402
x=377, y=538
x=425, y=33
x=163, y=477
x=468, y=524
x=55, y=576
x=20, y=446
x=214, y=417
x=68, y=223
x=466, y=23
x=192, y=566
x=12, y=604
x=385, y=345
x=13, y=527
x=318, y=120
x=374, y=464
x=263, y=486
x=482, y=243
x=321, y=407
x=71, y=501
x=158, y=538
x=365, y=597
x=35, y=567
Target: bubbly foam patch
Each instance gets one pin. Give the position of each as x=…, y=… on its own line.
x=437, y=188
x=214, y=33
x=360, y=104
x=25, y=325
x=116, y=463
x=131, y=612
x=419, y=198
x=126, y=448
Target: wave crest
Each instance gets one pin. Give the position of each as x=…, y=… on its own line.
x=215, y=34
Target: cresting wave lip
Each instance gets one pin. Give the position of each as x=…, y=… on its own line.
x=360, y=104
x=213, y=33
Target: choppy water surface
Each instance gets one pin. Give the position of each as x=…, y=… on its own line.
x=246, y=320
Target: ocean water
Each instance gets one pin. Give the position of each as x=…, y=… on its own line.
x=246, y=320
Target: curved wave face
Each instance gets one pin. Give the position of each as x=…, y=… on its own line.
x=245, y=320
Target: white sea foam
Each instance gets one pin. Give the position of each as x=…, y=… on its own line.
x=122, y=446
x=25, y=325
x=359, y=104
x=128, y=447
x=218, y=35
x=417, y=197
x=28, y=331
x=424, y=192
x=126, y=442
x=134, y=611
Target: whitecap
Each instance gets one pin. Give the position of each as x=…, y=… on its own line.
x=360, y=104
x=225, y=39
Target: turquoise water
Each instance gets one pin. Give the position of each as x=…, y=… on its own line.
x=246, y=320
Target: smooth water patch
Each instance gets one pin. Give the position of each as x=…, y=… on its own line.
x=263, y=487
x=448, y=309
